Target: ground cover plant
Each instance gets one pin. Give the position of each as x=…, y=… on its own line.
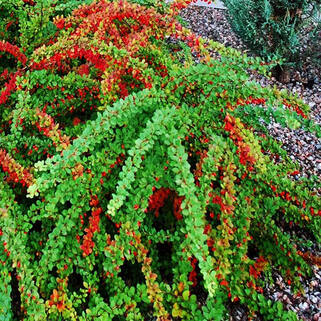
x=137, y=177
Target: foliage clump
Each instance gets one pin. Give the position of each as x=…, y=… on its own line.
x=284, y=29
x=138, y=182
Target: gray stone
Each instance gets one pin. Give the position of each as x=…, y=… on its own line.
x=303, y=306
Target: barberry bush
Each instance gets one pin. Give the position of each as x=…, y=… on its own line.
x=137, y=177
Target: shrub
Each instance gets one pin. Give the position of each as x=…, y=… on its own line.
x=139, y=182
x=277, y=28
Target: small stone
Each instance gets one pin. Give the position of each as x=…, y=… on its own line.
x=318, y=147
x=317, y=317
x=291, y=308
x=313, y=299
x=303, y=306
x=313, y=283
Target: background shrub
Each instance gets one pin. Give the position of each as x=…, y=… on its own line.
x=278, y=28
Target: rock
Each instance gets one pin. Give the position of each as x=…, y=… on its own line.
x=317, y=317
x=303, y=306
x=313, y=283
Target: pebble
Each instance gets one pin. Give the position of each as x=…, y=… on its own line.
x=303, y=306
x=313, y=283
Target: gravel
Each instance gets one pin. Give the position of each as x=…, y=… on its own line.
x=306, y=306
x=302, y=146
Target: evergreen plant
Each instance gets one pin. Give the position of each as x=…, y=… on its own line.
x=278, y=29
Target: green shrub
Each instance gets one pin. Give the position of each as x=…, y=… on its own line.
x=277, y=28
x=137, y=182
